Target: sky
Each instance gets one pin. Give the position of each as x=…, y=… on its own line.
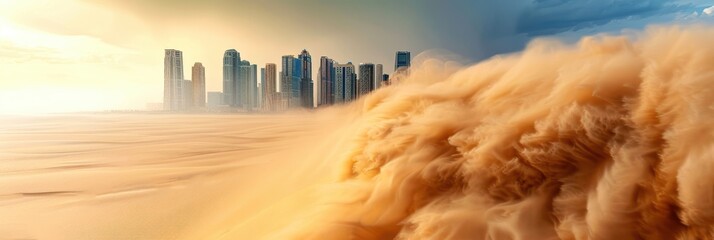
x=92, y=55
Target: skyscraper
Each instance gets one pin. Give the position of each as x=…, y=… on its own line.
x=290, y=80
x=402, y=61
x=253, y=87
x=295, y=94
x=344, y=82
x=198, y=75
x=261, y=92
x=378, y=76
x=173, y=80
x=306, y=79
x=327, y=79
x=231, y=72
x=187, y=94
x=244, y=91
x=385, y=79
x=270, y=97
x=365, y=83
x=215, y=99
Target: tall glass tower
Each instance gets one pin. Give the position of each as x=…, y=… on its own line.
x=378, y=76
x=402, y=61
x=243, y=88
x=306, y=88
x=231, y=73
x=365, y=83
x=290, y=80
x=261, y=92
x=296, y=99
x=173, y=80
x=343, y=90
x=198, y=76
x=270, y=96
x=327, y=79
x=253, y=87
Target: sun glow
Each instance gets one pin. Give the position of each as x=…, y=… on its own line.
x=43, y=72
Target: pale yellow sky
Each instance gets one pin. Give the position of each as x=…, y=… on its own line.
x=86, y=55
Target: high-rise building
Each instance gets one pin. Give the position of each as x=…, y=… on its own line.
x=306, y=95
x=270, y=96
x=261, y=92
x=187, y=94
x=286, y=76
x=253, y=87
x=281, y=92
x=198, y=74
x=290, y=80
x=365, y=83
x=231, y=72
x=378, y=71
x=215, y=99
x=353, y=84
x=327, y=79
x=173, y=80
x=344, y=82
x=243, y=88
x=339, y=86
x=295, y=94
x=402, y=61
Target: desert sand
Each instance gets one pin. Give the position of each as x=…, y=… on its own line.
x=145, y=176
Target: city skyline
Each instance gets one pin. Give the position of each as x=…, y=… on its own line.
x=241, y=88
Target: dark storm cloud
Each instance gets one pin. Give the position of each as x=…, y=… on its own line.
x=482, y=28
x=476, y=29
x=545, y=17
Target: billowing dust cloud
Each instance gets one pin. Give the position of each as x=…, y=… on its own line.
x=610, y=138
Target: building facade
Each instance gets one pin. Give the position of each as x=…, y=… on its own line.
x=198, y=76
x=365, y=83
x=270, y=96
x=378, y=71
x=344, y=87
x=290, y=81
x=402, y=61
x=173, y=80
x=326, y=81
x=306, y=83
x=215, y=99
x=295, y=97
x=261, y=85
x=231, y=72
x=243, y=93
x=253, y=87
x=187, y=94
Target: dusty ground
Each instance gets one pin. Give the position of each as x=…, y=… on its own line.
x=143, y=176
